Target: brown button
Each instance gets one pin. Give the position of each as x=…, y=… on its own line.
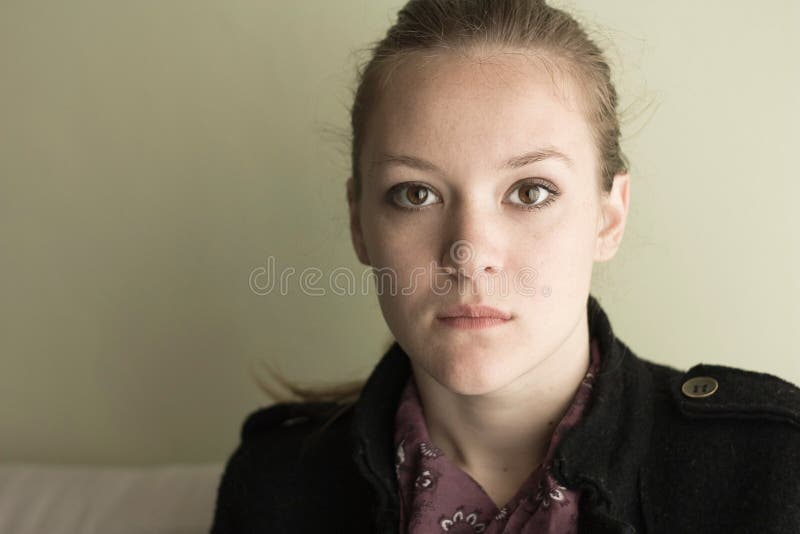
x=699, y=387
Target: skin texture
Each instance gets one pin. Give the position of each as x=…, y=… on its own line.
x=493, y=396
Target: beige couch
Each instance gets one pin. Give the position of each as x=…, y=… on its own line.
x=56, y=499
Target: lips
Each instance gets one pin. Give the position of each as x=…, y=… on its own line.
x=474, y=311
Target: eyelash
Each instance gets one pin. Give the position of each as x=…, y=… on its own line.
x=551, y=197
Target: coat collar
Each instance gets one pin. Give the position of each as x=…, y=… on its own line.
x=604, y=452
x=600, y=455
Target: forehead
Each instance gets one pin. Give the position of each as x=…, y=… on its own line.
x=467, y=110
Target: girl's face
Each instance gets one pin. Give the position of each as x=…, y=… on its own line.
x=484, y=165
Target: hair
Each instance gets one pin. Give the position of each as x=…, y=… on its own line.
x=443, y=26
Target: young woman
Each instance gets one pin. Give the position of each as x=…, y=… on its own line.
x=487, y=179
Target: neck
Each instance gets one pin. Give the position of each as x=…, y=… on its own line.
x=508, y=430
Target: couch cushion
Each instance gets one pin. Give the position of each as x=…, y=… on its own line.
x=60, y=499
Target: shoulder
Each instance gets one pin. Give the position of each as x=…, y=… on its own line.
x=277, y=418
x=287, y=446
x=720, y=416
x=722, y=392
x=710, y=391
x=728, y=423
x=288, y=457
x=291, y=458
x=290, y=435
x=730, y=438
x=718, y=419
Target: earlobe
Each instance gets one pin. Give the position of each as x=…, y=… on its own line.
x=614, y=214
x=356, y=235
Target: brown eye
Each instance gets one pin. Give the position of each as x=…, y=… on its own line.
x=534, y=195
x=416, y=194
x=531, y=193
x=412, y=196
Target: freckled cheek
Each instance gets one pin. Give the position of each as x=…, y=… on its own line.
x=531, y=257
x=399, y=245
x=545, y=249
x=563, y=257
x=409, y=263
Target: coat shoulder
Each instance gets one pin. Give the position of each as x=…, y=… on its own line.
x=297, y=441
x=719, y=391
x=730, y=439
x=289, y=456
x=277, y=418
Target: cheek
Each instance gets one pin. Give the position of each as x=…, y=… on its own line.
x=398, y=251
x=558, y=254
x=401, y=243
x=401, y=262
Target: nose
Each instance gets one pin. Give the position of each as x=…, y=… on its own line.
x=473, y=243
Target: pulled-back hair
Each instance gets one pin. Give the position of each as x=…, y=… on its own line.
x=428, y=27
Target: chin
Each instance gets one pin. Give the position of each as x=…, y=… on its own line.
x=465, y=376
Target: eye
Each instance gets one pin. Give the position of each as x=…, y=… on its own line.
x=415, y=196
x=534, y=194
x=411, y=196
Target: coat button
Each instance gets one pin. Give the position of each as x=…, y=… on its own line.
x=699, y=387
x=294, y=420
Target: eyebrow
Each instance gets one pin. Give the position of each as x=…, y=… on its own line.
x=517, y=162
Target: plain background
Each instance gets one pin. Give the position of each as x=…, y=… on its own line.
x=154, y=153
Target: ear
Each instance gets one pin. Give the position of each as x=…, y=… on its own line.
x=356, y=235
x=611, y=222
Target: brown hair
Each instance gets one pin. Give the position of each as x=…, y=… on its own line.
x=432, y=26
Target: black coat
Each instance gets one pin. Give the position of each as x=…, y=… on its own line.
x=649, y=457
